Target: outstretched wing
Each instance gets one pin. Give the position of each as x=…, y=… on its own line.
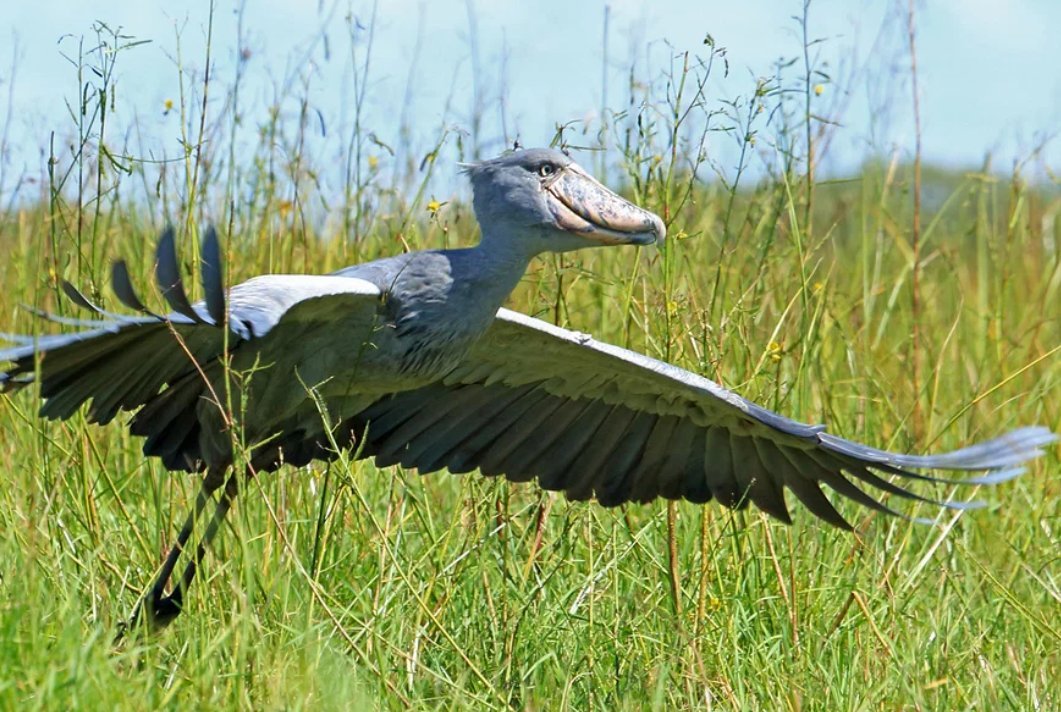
x=160, y=363
x=536, y=401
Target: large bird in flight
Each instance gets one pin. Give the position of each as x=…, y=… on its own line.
x=411, y=360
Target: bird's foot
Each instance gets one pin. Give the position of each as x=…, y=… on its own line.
x=154, y=612
x=163, y=610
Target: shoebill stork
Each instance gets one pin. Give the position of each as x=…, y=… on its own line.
x=415, y=360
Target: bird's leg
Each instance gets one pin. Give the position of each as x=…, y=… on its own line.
x=220, y=512
x=160, y=609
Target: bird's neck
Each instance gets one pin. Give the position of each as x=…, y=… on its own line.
x=492, y=269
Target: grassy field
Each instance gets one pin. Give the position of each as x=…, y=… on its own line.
x=341, y=585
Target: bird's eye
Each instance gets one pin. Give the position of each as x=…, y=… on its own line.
x=546, y=169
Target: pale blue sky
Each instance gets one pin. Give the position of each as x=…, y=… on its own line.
x=990, y=70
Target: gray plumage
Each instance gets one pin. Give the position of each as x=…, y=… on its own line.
x=417, y=364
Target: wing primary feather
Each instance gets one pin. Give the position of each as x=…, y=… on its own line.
x=803, y=486
x=213, y=276
x=1004, y=451
x=123, y=288
x=864, y=474
x=993, y=476
x=812, y=497
x=834, y=479
x=168, y=275
x=74, y=294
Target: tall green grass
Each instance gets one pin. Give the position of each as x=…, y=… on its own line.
x=342, y=585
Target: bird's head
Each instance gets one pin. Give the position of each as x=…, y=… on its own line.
x=543, y=198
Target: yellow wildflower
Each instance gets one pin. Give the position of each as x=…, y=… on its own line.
x=373, y=162
x=167, y=106
x=819, y=89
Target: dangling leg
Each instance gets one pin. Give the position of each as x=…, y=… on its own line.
x=159, y=614
x=175, y=601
